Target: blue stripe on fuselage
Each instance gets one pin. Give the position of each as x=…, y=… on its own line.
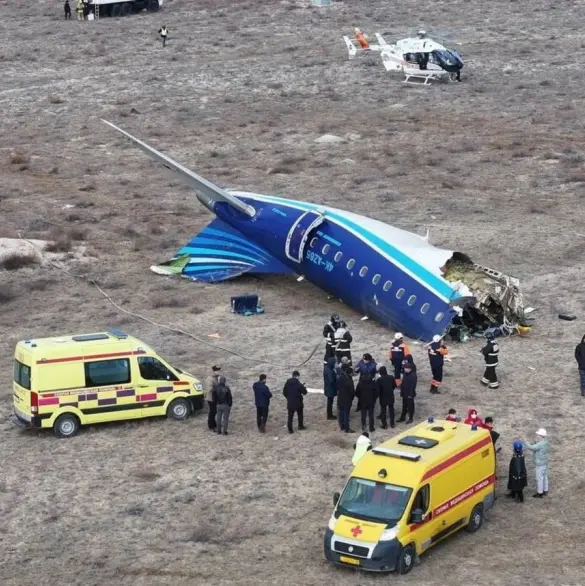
x=433, y=281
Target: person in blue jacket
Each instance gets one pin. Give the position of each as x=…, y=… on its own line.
x=262, y=396
x=329, y=385
x=367, y=365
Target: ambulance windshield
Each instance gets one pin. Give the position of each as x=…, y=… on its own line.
x=376, y=501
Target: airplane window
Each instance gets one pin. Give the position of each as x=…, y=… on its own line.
x=425, y=308
x=439, y=316
x=363, y=271
x=326, y=249
x=350, y=263
x=338, y=256
x=313, y=242
x=376, y=279
x=387, y=285
x=411, y=300
x=400, y=293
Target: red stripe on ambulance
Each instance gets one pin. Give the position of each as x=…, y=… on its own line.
x=92, y=357
x=463, y=496
x=456, y=458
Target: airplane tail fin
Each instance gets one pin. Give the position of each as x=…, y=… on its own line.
x=351, y=48
x=381, y=41
x=207, y=192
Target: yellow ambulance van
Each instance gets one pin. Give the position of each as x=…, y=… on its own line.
x=67, y=381
x=409, y=493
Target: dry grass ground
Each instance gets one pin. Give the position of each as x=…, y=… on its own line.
x=493, y=165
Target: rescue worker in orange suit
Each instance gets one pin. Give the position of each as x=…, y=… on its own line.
x=398, y=352
x=473, y=418
x=437, y=353
x=361, y=38
x=490, y=353
x=329, y=334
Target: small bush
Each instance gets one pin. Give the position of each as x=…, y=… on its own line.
x=77, y=233
x=18, y=260
x=160, y=300
x=60, y=242
x=56, y=100
x=6, y=293
x=40, y=284
x=88, y=187
x=19, y=158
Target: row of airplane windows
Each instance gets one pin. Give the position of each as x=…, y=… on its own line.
x=424, y=308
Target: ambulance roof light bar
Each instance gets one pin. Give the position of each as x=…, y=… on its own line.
x=117, y=333
x=396, y=454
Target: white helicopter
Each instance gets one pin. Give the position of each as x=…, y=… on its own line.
x=419, y=58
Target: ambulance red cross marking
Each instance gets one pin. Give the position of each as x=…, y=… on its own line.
x=355, y=531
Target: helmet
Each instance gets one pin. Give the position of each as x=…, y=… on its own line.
x=398, y=336
x=436, y=338
x=335, y=317
x=422, y=32
x=518, y=446
x=541, y=432
x=489, y=335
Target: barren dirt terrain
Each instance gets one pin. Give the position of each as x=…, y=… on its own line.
x=493, y=165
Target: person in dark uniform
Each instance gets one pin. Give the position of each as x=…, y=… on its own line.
x=408, y=392
x=343, y=340
x=67, y=9
x=437, y=352
x=329, y=335
x=386, y=386
x=294, y=390
x=262, y=396
x=366, y=394
x=329, y=385
x=490, y=353
x=517, y=477
x=398, y=352
x=367, y=365
x=345, y=394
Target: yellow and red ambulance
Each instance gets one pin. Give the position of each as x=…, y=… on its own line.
x=410, y=492
x=67, y=381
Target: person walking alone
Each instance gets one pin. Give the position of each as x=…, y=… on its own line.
x=540, y=457
x=517, y=474
x=67, y=8
x=210, y=383
x=262, y=396
x=386, y=386
x=580, y=358
x=408, y=392
x=294, y=390
x=222, y=397
x=163, y=31
x=345, y=395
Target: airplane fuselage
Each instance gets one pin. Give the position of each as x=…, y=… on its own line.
x=350, y=257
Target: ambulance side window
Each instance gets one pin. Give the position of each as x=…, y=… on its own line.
x=107, y=372
x=422, y=499
x=153, y=369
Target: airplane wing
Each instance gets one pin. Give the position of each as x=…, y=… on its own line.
x=207, y=190
x=218, y=253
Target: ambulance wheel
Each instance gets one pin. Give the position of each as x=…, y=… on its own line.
x=153, y=6
x=126, y=9
x=406, y=559
x=116, y=10
x=475, y=519
x=66, y=425
x=179, y=409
